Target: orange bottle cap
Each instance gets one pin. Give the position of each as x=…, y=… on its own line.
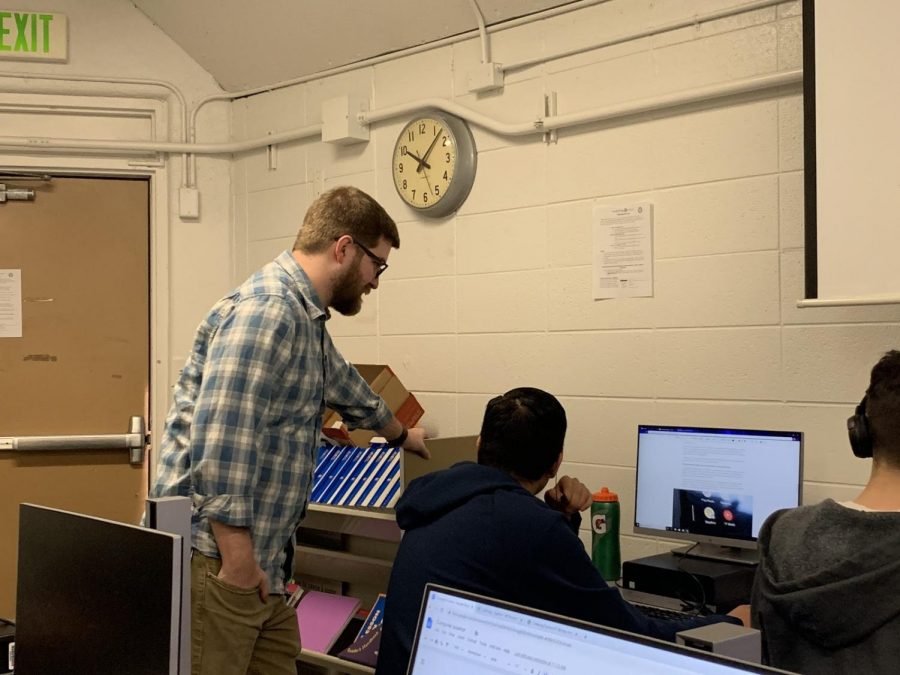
x=604, y=495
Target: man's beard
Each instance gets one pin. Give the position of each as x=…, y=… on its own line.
x=348, y=292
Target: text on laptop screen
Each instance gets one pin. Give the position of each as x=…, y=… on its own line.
x=714, y=485
x=466, y=633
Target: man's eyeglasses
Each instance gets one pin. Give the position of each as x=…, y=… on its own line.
x=380, y=263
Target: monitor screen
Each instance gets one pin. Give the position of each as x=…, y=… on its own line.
x=461, y=632
x=95, y=596
x=714, y=486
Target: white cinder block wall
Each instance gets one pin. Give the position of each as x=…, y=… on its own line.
x=499, y=295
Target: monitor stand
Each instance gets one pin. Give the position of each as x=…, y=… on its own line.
x=739, y=556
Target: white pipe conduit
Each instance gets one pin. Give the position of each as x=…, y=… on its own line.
x=627, y=109
x=161, y=146
x=482, y=32
x=695, y=20
x=538, y=126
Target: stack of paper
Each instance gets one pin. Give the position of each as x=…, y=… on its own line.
x=352, y=476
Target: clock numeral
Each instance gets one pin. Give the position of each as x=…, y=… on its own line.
x=404, y=183
x=400, y=167
x=411, y=135
x=402, y=150
x=445, y=176
x=437, y=190
x=425, y=197
x=445, y=142
x=447, y=154
x=414, y=195
x=421, y=127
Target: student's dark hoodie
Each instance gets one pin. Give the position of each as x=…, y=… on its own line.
x=827, y=592
x=475, y=528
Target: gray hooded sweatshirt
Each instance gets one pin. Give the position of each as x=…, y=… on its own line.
x=827, y=592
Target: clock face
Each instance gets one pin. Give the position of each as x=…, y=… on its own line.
x=434, y=164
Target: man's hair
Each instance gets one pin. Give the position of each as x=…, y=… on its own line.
x=883, y=407
x=345, y=210
x=523, y=433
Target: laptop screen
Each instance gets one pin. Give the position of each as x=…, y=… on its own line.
x=461, y=632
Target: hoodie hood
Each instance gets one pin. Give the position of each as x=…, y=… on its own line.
x=830, y=571
x=429, y=497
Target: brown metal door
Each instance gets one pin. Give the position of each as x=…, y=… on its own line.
x=81, y=366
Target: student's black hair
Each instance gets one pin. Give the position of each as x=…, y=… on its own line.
x=523, y=432
x=883, y=408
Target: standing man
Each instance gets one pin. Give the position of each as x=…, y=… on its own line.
x=241, y=436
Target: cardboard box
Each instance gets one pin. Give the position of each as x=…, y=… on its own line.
x=445, y=452
x=387, y=385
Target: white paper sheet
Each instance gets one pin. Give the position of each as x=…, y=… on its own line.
x=623, y=251
x=10, y=303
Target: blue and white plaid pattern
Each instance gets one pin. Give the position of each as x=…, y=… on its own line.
x=241, y=436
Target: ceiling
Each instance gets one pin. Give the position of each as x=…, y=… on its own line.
x=246, y=45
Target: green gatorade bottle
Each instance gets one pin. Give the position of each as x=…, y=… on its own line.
x=605, y=534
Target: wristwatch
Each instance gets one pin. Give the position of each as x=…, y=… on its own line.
x=400, y=440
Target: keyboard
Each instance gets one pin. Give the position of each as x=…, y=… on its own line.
x=663, y=613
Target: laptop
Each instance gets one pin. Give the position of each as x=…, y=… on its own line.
x=461, y=632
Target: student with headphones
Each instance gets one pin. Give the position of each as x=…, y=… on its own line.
x=827, y=592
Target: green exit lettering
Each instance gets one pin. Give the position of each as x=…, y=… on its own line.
x=22, y=32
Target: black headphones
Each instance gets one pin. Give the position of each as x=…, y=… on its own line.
x=858, y=430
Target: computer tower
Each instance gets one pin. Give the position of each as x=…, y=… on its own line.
x=720, y=586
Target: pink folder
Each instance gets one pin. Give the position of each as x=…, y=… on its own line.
x=323, y=617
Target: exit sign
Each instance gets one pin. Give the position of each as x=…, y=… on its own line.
x=33, y=36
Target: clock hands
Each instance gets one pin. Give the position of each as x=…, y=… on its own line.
x=421, y=162
x=425, y=176
x=430, y=148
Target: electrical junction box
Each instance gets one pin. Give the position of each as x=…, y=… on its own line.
x=189, y=202
x=485, y=77
x=340, y=120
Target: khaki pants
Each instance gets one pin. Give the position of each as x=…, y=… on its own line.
x=233, y=632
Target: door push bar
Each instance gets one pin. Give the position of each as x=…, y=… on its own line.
x=135, y=441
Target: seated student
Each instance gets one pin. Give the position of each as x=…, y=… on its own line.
x=480, y=528
x=827, y=592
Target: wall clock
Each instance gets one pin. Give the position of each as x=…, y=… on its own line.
x=434, y=163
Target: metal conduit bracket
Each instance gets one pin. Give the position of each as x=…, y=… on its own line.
x=135, y=441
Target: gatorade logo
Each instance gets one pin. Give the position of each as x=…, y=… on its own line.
x=598, y=523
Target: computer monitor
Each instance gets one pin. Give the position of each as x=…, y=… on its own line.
x=95, y=596
x=461, y=632
x=714, y=487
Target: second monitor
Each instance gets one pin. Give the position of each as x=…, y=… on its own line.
x=714, y=487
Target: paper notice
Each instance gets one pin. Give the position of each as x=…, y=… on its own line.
x=623, y=251
x=10, y=303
